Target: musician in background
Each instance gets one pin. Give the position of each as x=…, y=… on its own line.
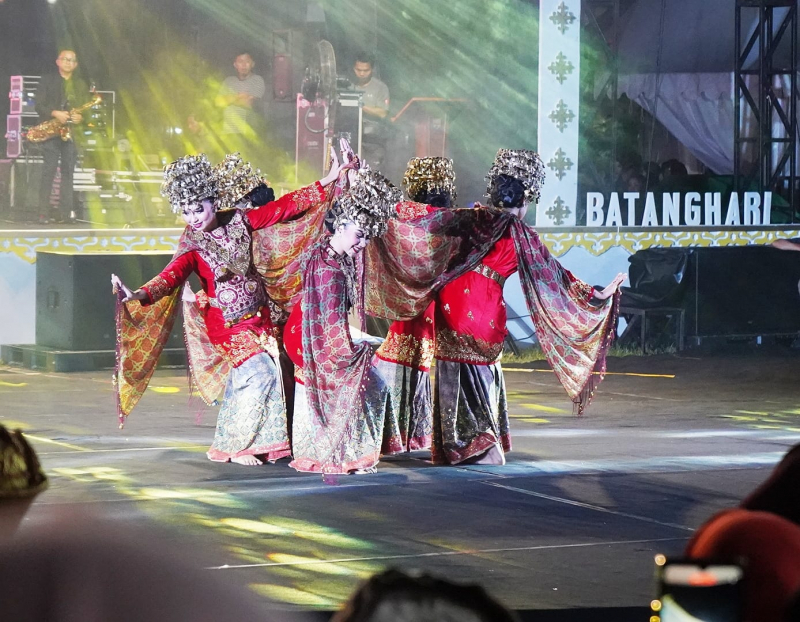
x=376, y=109
x=57, y=95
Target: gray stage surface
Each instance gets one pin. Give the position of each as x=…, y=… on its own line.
x=573, y=521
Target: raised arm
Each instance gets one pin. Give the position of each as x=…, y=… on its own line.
x=294, y=203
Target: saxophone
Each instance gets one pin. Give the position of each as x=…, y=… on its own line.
x=54, y=127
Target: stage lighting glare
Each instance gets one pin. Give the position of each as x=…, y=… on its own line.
x=177, y=130
x=51, y=1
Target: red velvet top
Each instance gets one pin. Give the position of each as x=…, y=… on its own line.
x=471, y=314
x=293, y=340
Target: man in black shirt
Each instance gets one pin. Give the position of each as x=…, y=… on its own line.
x=57, y=94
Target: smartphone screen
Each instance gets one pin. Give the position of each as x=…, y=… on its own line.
x=697, y=592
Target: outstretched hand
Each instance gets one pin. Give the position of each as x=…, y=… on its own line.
x=612, y=287
x=124, y=293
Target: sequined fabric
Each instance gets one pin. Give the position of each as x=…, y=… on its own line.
x=460, y=347
x=470, y=411
x=238, y=287
x=490, y=273
x=252, y=418
x=409, y=423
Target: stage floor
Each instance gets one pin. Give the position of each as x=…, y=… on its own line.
x=573, y=521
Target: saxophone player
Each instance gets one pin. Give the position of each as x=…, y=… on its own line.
x=57, y=95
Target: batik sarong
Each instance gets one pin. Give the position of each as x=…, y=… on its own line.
x=470, y=412
x=252, y=419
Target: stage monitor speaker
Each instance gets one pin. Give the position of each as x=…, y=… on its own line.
x=74, y=303
x=742, y=291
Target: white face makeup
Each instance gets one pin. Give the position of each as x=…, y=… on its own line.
x=200, y=216
x=349, y=239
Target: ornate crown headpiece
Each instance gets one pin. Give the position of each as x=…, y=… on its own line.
x=430, y=174
x=235, y=178
x=369, y=202
x=21, y=474
x=188, y=180
x=521, y=164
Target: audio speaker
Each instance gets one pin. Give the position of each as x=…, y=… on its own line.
x=74, y=303
x=742, y=291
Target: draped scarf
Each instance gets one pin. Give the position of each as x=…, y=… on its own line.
x=415, y=258
x=336, y=370
x=143, y=331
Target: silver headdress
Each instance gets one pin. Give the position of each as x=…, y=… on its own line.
x=521, y=164
x=235, y=178
x=369, y=203
x=434, y=174
x=189, y=180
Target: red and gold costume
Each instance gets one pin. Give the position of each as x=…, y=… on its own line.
x=230, y=336
x=407, y=354
x=234, y=307
x=465, y=255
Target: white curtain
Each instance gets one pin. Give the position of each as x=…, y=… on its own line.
x=697, y=108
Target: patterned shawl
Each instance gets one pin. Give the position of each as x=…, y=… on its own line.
x=416, y=258
x=142, y=333
x=336, y=370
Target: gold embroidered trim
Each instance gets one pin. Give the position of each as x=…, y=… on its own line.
x=453, y=346
x=158, y=287
x=407, y=350
x=490, y=273
x=308, y=197
x=245, y=344
x=299, y=374
x=408, y=210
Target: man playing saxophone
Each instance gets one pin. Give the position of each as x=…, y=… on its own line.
x=57, y=95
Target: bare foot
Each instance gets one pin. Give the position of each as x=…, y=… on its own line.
x=367, y=471
x=247, y=460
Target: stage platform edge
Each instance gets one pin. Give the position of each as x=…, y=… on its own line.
x=41, y=358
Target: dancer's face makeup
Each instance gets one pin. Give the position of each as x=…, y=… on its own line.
x=200, y=216
x=351, y=239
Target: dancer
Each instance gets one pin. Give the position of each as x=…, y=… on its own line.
x=466, y=255
x=407, y=353
x=340, y=399
x=217, y=246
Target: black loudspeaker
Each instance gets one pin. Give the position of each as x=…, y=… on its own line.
x=74, y=303
x=742, y=291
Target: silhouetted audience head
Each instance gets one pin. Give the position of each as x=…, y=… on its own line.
x=65, y=567
x=673, y=168
x=764, y=533
x=394, y=596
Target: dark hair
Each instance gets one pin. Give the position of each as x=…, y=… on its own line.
x=365, y=57
x=506, y=191
x=395, y=595
x=674, y=168
x=436, y=198
x=243, y=53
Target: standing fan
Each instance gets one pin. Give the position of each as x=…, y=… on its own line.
x=319, y=84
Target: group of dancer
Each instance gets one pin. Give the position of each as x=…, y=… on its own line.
x=282, y=280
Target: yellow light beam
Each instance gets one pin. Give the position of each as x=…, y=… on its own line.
x=597, y=373
x=543, y=408
x=42, y=439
